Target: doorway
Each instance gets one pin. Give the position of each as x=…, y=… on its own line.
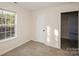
x=69, y=30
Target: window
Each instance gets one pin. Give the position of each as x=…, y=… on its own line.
x=7, y=24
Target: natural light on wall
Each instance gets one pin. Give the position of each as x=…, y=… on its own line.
x=56, y=34
x=48, y=34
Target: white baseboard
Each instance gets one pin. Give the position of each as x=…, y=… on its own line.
x=47, y=44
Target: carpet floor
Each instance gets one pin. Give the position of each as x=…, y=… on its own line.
x=33, y=48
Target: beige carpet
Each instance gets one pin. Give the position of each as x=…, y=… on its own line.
x=33, y=48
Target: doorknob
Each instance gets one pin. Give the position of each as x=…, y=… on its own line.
x=43, y=30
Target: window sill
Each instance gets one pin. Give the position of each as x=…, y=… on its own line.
x=4, y=40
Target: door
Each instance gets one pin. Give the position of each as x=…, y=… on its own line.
x=41, y=29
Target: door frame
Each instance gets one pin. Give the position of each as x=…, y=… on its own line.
x=61, y=26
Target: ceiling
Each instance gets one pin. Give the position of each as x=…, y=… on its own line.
x=40, y=5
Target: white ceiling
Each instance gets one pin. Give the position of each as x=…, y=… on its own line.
x=40, y=5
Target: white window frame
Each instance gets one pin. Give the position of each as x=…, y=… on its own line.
x=15, y=35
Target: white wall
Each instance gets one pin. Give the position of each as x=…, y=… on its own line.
x=52, y=18
x=23, y=27
x=28, y=27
